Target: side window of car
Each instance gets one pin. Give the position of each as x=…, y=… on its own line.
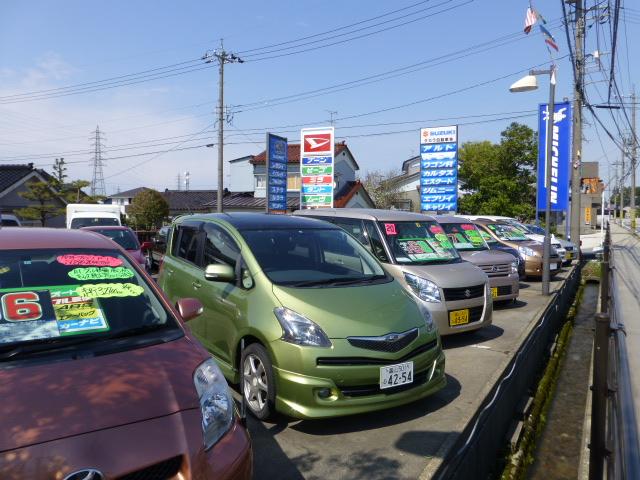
x=354, y=227
x=377, y=247
x=219, y=246
x=185, y=244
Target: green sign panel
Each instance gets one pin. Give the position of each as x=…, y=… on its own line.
x=317, y=200
x=318, y=170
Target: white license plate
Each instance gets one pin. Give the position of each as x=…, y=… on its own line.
x=395, y=375
x=553, y=266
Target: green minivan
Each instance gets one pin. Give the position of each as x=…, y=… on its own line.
x=301, y=316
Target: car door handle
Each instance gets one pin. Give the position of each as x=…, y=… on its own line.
x=196, y=284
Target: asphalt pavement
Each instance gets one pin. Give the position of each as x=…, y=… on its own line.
x=407, y=442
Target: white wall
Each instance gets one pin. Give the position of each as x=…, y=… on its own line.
x=240, y=178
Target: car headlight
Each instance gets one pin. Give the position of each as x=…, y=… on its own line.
x=216, y=403
x=423, y=288
x=428, y=319
x=514, y=267
x=300, y=330
x=526, y=252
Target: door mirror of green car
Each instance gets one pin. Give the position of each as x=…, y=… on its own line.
x=189, y=308
x=220, y=273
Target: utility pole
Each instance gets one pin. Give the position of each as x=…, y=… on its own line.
x=222, y=57
x=634, y=152
x=578, y=101
x=179, y=182
x=97, y=181
x=622, y=175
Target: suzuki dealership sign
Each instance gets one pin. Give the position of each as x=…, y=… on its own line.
x=277, y=159
x=439, y=169
x=560, y=156
x=316, y=167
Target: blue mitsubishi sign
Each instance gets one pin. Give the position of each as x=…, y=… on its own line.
x=439, y=169
x=277, y=159
x=560, y=156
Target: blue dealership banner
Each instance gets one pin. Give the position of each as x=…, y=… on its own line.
x=439, y=169
x=560, y=156
x=277, y=159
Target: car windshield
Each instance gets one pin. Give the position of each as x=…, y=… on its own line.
x=8, y=223
x=489, y=240
x=464, y=236
x=94, y=222
x=125, y=238
x=535, y=229
x=507, y=232
x=313, y=257
x=52, y=297
x=418, y=243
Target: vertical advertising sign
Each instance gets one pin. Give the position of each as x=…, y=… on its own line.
x=316, y=167
x=277, y=159
x=439, y=169
x=560, y=156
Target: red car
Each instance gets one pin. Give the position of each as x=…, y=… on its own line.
x=98, y=376
x=127, y=239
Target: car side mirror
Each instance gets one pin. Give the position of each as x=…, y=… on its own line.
x=146, y=246
x=219, y=273
x=189, y=308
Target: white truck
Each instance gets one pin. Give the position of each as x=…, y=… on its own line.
x=92, y=215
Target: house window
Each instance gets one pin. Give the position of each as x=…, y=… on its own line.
x=293, y=181
x=261, y=181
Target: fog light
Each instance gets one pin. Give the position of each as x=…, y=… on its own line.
x=324, y=393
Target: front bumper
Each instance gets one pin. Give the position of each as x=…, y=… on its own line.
x=480, y=310
x=352, y=377
x=533, y=266
x=172, y=443
x=508, y=287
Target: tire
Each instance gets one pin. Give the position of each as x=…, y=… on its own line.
x=257, y=381
x=149, y=264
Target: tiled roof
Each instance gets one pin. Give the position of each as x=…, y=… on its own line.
x=128, y=193
x=247, y=200
x=188, y=200
x=346, y=193
x=11, y=174
x=293, y=151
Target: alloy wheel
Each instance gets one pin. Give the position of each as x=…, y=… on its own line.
x=254, y=383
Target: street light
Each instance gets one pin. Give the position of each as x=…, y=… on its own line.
x=527, y=84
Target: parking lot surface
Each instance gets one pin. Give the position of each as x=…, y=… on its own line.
x=407, y=442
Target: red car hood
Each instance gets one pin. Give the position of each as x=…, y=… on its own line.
x=61, y=399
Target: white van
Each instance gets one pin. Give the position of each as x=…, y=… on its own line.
x=92, y=215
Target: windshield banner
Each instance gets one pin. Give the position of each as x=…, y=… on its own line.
x=560, y=156
x=277, y=159
x=439, y=169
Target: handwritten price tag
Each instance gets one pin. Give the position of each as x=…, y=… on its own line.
x=89, y=260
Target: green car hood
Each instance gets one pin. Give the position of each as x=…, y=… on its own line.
x=362, y=310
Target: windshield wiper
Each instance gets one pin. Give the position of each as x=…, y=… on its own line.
x=134, y=332
x=49, y=344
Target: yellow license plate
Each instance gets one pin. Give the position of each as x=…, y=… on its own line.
x=459, y=317
x=494, y=292
x=569, y=256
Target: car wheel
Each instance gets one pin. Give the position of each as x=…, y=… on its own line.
x=258, y=386
x=149, y=261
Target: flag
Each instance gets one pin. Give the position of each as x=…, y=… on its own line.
x=530, y=20
x=548, y=38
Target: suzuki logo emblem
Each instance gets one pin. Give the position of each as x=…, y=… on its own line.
x=494, y=268
x=393, y=337
x=467, y=293
x=86, y=474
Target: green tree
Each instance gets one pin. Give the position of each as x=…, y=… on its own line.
x=59, y=173
x=44, y=195
x=384, y=192
x=148, y=209
x=500, y=178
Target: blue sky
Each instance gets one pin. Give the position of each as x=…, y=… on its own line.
x=46, y=45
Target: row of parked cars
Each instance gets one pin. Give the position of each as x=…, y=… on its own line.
x=319, y=314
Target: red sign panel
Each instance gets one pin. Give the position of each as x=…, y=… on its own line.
x=316, y=143
x=318, y=180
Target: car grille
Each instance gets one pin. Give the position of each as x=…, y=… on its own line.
x=159, y=471
x=504, y=290
x=365, y=390
x=554, y=255
x=501, y=270
x=391, y=343
x=569, y=249
x=357, y=361
x=464, y=293
x=475, y=313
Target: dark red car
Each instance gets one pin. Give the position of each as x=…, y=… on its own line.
x=99, y=378
x=127, y=239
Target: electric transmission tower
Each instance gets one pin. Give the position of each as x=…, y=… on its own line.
x=97, y=181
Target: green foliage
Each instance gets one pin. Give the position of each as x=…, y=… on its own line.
x=383, y=191
x=43, y=196
x=148, y=209
x=500, y=178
